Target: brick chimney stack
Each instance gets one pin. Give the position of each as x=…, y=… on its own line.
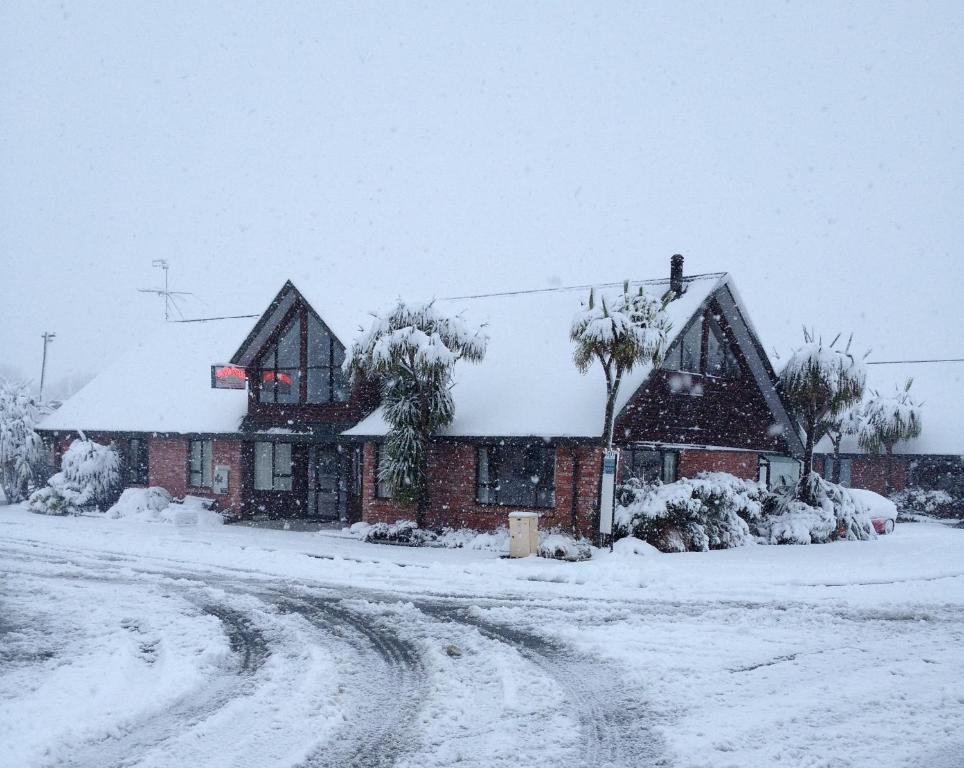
x=676, y=274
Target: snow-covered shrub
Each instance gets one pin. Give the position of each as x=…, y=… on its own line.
x=21, y=450
x=93, y=467
x=143, y=503
x=837, y=514
x=89, y=478
x=561, y=546
x=924, y=502
x=709, y=511
x=467, y=538
x=404, y=532
x=359, y=529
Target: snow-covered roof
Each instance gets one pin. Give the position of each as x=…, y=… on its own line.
x=527, y=385
x=162, y=384
x=940, y=388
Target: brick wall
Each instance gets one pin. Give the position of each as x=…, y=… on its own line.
x=168, y=469
x=740, y=463
x=452, y=490
x=871, y=473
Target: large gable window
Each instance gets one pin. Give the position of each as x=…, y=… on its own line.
x=516, y=475
x=303, y=365
x=703, y=348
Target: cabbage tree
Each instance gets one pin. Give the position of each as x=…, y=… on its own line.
x=888, y=419
x=411, y=351
x=619, y=332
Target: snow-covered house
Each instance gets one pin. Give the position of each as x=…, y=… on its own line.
x=297, y=441
x=935, y=459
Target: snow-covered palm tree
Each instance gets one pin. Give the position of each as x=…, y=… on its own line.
x=888, y=419
x=620, y=332
x=411, y=351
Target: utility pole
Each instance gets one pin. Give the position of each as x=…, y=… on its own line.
x=166, y=292
x=48, y=337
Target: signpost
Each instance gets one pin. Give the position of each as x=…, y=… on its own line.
x=607, y=493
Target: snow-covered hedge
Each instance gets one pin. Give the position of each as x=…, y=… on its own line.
x=89, y=478
x=561, y=546
x=837, y=515
x=709, y=511
x=923, y=502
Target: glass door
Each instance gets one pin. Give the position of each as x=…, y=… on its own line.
x=327, y=484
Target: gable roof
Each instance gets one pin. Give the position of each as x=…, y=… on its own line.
x=939, y=387
x=162, y=384
x=527, y=385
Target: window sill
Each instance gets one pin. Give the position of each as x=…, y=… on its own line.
x=519, y=507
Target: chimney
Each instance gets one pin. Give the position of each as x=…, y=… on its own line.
x=676, y=274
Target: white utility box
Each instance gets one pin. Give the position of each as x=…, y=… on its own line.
x=523, y=534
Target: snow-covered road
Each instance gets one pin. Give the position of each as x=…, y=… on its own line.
x=132, y=644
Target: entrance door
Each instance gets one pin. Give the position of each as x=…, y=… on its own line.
x=327, y=483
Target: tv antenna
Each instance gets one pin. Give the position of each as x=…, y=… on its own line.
x=166, y=292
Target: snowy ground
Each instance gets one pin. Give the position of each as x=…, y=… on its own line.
x=144, y=644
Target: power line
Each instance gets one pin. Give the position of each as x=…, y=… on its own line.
x=529, y=291
x=206, y=319
x=901, y=362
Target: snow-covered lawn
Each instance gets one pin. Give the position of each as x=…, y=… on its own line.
x=149, y=644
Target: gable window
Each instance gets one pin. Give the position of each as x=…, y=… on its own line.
x=327, y=382
x=199, y=455
x=137, y=461
x=516, y=475
x=272, y=466
x=383, y=489
x=649, y=465
x=703, y=348
x=303, y=365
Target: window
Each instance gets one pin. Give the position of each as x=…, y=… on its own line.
x=326, y=381
x=649, y=465
x=383, y=489
x=687, y=355
x=199, y=463
x=845, y=470
x=272, y=466
x=516, y=475
x=720, y=360
x=292, y=372
x=281, y=367
x=137, y=461
x=845, y=467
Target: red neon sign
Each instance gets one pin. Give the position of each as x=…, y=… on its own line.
x=228, y=377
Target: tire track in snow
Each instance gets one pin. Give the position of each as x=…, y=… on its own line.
x=392, y=682
x=250, y=649
x=615, y=724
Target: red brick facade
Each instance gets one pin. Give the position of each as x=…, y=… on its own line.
x=452, y=490
x=169, y=469
x=871, y=473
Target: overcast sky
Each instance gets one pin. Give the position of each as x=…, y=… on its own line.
x=811, y=149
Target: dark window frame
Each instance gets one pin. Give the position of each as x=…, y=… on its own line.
x=710, y=329
x=381, y=493
x=337, y=385
x=545, y=487
x=663, y=454
x=137, y=461
x=275, y=474
x=207, y=446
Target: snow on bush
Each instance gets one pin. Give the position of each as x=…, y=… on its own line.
x=404, y=532
x=924, y=502
x=21, y=450
x=94, y=467
x=709, y=511
x=561, y=546
x=837, y=514
x=155, y=505
x=89, y=478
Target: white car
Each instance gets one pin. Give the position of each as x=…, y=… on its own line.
x=882, y=511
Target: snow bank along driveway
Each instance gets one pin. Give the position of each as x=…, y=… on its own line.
x=137, y=644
